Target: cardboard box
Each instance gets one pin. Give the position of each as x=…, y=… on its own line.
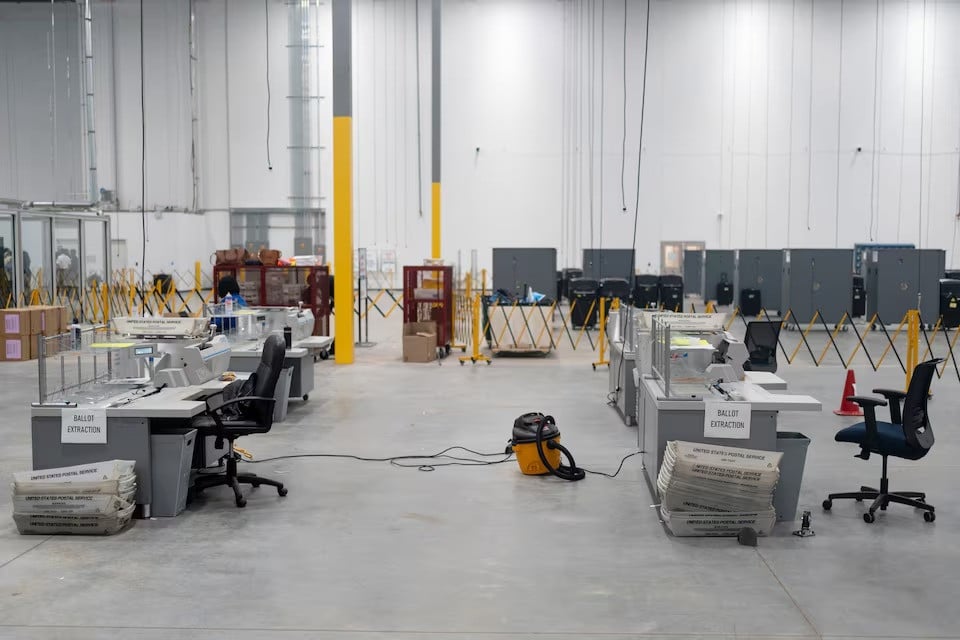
x=420, y=342
x=65, y=319
x=47, y=322
x=14, y=348
x=20, y=321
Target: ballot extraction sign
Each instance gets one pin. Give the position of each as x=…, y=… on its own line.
x=83, y=426
x=726, y=420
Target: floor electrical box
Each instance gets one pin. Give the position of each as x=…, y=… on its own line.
x=817, y=280
x=762, y=269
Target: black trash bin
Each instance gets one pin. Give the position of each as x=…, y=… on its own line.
x=645, y=292
x=615, y=288
x=950, y=303
x=724, y=291
x=671, y=293
x=568, y=275
x=583, y=297
x=858, y=306
x=751, y=303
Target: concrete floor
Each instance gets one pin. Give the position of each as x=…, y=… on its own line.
x=369, y=551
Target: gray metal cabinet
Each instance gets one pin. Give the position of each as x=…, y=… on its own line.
x=515, y=267
x=817, y=280
x=719, y=266
x=896, y=276
x=608, y=263
x=933, y=264
x=892, y=283
x=761, y=269
x=693, y=271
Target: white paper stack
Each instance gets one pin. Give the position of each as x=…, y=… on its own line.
x=710, y=490
x=88, y=499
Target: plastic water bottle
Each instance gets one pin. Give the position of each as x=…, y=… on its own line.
x=228, y=304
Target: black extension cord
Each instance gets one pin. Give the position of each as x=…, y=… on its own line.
x=446, y=460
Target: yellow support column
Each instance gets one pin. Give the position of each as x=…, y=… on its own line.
x=913, y=344
x=435, y=226
x=435, y=127
x=477, y=356
x=342, y=181
x=602, y=341
x=105, y=302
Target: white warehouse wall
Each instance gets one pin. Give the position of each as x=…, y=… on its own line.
x=754, y=113
x=41, y=143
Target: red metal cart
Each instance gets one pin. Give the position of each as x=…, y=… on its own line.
x=428, y=297
x=263, y=286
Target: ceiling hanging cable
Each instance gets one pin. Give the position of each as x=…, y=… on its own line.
x=564, y=259
x=836, y=220
x=603, y=18
x=143, y=170
x=810, y=127
x=643, y=112
x=623, y=138
x=793, y=38
x=873, y=151
x=416, y=31
x=923, y=78
x=591, y=55
x=266, y=22
x=933, y=120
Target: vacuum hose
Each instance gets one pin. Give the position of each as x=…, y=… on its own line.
x=572, y=472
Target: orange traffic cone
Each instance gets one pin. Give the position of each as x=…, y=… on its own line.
x=848, y=408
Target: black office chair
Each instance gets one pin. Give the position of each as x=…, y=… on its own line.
x=761, y=340
x=256, y=416
x=907, y=435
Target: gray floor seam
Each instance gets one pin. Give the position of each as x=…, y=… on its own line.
x=533, y=634
x=25, y=552
x=790, y=595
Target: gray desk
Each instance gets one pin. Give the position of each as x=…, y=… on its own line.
x=128, y=433
x=247, y=358
x=765, y=380
x=662, y=419
x=622, y=366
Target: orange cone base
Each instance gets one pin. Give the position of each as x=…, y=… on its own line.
x=849, y=389
x=847, y=412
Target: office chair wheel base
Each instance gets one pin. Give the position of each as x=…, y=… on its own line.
x=929, y=516
x=827, y=505
x=241, y=502
x=869, y=518
x=282, y=491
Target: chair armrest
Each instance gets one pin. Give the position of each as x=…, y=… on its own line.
x=216, y=411
x=894, y=396
x=212, y=394
x=890, y=394
x=238, y=400
x=869, y=420
x=867, y=401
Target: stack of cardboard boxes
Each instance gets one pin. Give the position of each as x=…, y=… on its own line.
x=22, y=326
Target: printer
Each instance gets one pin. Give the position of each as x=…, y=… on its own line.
x=187, y=350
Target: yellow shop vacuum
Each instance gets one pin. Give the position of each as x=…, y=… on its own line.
x=536, y=441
